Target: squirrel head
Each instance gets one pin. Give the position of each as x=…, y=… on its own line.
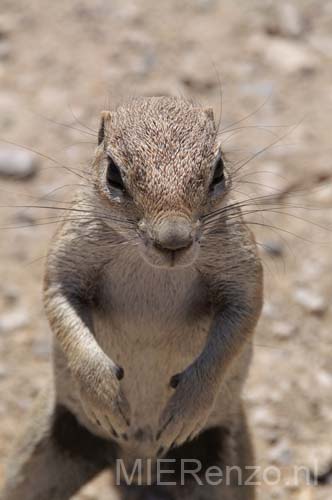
x=158, y=163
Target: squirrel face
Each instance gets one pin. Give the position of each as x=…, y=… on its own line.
x=158, y=164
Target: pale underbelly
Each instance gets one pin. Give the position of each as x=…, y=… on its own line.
x=149, y=361
x=150, y=355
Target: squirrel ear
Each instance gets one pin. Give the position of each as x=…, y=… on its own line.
x=209, y=113
x=105, y=115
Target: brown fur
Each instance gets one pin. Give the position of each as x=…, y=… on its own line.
x=152, y=346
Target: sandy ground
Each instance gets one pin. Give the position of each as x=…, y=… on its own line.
x=64, y=62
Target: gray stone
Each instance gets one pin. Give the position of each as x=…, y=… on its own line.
x=17, y=163
x=5, y=49
x=310, y=301
x=270, y=310
x=14, y=320
x=324, y=194
x=11, y=294
x=273, y=248
x=289, y=56
x=283, y=330
x=262, y=416
x=24, y=217
x=263, y=88
x=285, y=20
x=205, y=5
x=281, y=453
x=324, y=379
x=318, y=459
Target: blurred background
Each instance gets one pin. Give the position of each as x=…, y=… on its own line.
x=61, y=63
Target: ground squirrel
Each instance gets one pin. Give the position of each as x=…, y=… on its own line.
x=153, y=289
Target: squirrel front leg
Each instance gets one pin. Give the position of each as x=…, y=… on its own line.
x=96, y=374
x=197, y=387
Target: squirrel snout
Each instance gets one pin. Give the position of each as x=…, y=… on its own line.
x=173, y=233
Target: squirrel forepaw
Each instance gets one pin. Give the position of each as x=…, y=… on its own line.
x=186, y=412
x=104, y=403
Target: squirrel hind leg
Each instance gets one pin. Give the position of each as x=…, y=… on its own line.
x=214, y=449
x=53, y=457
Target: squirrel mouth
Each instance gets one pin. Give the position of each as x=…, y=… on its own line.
x=158, y=256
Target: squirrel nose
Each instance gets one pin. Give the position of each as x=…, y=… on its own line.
x=173, y=233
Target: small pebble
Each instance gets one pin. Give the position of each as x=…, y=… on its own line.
x=288, y=56
x=14, y=320
x=273, y=248
x=277, y=493
x=5, y=49
x=205, y=5
x=10, y=294
x=270, y=310
x=310, y=301
x=281, y=453
x=319, y=461
x=293, y=483
x=283, y=330
x=271, y=436
x=194, y=77
x=25, y=217
x=17, y=164
x=323, y=194
x=324, y=378
x=285, y=20
x=262, y=88
x=262, y=416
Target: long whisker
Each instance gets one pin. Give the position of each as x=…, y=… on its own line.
x=66, y=125
x=236, y=218
x=249, y=115
x=89, y=212
x=94, y=132
x=55, y=220
x=55, y=190
x=266, y=128
x=45, y=156
x=110, y=245
x=257, y=202
x=266, y=148
x=277, y=210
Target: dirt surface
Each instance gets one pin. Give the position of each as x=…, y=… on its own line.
x=64, y=62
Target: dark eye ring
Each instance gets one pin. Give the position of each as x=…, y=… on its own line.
x=218, y=175
x=113, y=175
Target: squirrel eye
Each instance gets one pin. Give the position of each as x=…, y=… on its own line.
x=218, y=176
x=113, y=175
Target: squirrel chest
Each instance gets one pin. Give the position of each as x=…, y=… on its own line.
x=154, y=322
